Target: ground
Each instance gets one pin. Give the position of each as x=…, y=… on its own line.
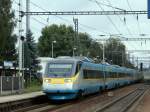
x=144, y=104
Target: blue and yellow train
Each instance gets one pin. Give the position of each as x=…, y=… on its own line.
x=69, y=78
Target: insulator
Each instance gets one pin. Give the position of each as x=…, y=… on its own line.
x=124, y=20
x=137, y=17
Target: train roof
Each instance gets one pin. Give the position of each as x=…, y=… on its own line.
x=90, y=62
x=76, y=58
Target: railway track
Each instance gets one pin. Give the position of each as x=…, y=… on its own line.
x=45, y=107
x=19, y=104
x=42, y=104
x=52, y=106
x=123, y=103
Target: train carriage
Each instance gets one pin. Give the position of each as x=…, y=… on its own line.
x=68, y=78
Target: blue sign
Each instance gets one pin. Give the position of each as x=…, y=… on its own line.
x=148, y=9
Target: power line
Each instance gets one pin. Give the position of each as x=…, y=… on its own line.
x=137, y=18
x=124, y=22
x=38, y=21
x=64, y=19
x=110, y=6
x=138, y=25
x=108, y=17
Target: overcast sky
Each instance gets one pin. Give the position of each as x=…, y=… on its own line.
x=94, y=25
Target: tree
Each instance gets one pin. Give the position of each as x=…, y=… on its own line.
x=7, y=24
x=65, y=42
x=30, y=58
x=30, y=52
x=63, y=36
x=115, y=52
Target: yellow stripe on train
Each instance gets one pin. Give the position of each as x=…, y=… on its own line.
x=59, y=80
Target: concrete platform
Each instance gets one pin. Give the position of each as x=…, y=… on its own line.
x=11, y=98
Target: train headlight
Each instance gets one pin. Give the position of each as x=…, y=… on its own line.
x=47, y=80
x=68, y=80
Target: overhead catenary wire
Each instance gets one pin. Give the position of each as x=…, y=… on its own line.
x=138, y=24
x=66, y=20
x=38, y=21
x=114, y=25
x=128, y=30
x=137, y=19
x=110, y=6
x=121, y=20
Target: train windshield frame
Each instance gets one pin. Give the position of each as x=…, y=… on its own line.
x=59, y=70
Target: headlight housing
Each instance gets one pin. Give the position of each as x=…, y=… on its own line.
x=67, y=80
x=47, y=80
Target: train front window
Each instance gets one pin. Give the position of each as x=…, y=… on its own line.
x=59, y=70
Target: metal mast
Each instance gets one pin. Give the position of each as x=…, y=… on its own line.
x=27, y=17
x=76, y=39
x=19, y=39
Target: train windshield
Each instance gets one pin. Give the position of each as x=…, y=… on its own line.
x=59, y=70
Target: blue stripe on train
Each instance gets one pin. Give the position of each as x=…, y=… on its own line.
x=114, y=84
x=62, y=96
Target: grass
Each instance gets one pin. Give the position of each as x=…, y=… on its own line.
x=34, y=86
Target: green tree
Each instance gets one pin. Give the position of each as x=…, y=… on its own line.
x=115, y=51
x=30, y=58
x=85, y=43
x=7, y=24
x=30, y=52
x=65, y=42
x=63, y=36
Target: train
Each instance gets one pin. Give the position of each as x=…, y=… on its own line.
x=68, y=78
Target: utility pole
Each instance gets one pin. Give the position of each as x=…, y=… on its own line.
x=123, y=58
x=76, y=39
x=19, y=39
x=133, y=59
x=103, y=52
x=53, y=42
x=27, y=25
x=137, y=62
x=20, y=50
x=27, y=17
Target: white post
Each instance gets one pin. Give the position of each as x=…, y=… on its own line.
x=103, y=53
x=20, y=43
x=53, y=48
x=12, y=86
x=74, y=49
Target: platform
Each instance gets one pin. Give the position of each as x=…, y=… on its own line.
x=11, y=98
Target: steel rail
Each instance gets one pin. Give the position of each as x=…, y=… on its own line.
x=131, y=97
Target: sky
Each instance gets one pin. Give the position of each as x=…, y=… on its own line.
x=94, y=25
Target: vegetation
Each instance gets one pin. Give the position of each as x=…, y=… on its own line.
x=7, y=24
x=64, y=36
x=33, y=86
x=30, y=52
x=115, y=52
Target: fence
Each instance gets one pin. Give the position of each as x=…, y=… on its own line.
x=10, y=84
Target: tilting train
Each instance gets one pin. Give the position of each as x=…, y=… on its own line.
x=69, y=78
